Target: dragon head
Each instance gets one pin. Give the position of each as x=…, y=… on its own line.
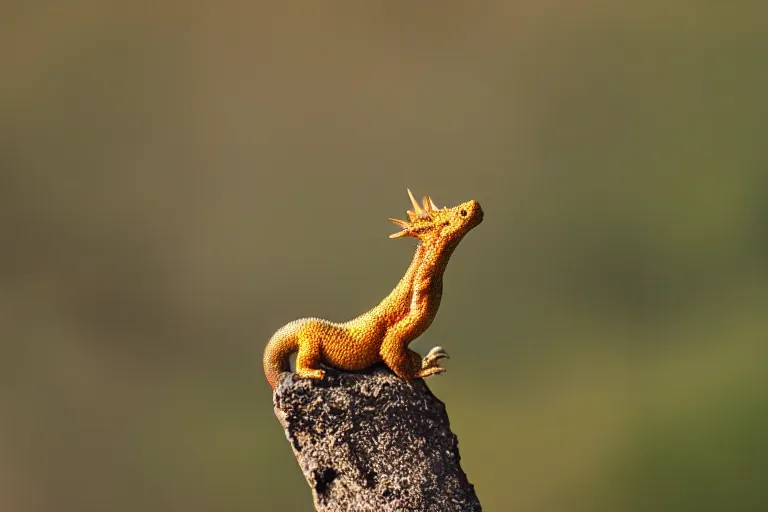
x=431, y=224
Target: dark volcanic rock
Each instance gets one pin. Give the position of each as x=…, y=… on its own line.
x=373, y=442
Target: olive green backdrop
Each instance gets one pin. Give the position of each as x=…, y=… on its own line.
x=178, y=180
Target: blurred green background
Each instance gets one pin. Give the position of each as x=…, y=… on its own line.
x=178, y=181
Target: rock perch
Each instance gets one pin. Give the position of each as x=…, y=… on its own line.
x=373, y=442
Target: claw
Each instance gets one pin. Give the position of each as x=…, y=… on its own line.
x=438, y=352
x=433, y=356
x=428, y=372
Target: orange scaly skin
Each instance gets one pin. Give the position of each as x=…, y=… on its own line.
x=384, y=332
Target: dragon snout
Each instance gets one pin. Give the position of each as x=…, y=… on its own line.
x=475, y=212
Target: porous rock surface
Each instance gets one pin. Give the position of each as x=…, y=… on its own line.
x=373, y=442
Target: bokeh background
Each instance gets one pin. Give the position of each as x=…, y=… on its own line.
x=177, y=181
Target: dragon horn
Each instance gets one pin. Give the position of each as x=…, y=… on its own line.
x=429, y=204
x=416, y=208
x=403, y=225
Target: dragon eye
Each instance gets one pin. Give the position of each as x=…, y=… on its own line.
x=463, y=213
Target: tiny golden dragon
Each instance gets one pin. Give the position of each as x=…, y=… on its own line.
x=384, y=332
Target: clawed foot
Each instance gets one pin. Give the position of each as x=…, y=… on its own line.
x=433, y=356
x=430, y=364
x=310, y=373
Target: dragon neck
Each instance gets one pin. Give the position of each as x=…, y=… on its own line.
x=402, y=292
x=435, y=259
x=429, y=261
